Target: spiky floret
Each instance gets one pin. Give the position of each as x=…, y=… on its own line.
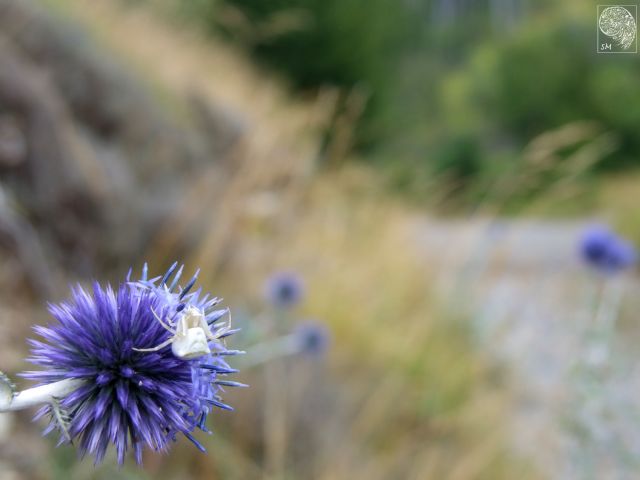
x=128, y=398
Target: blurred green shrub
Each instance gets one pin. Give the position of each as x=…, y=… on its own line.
x=457, y=101
x=473, y=126
x=537, y=82
x=343, y=43
x=548, y=76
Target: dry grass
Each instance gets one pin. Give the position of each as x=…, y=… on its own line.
x=404, y=393
x=617, y=202
x=178, y=62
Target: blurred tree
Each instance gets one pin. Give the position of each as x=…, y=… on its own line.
x=452, y=88
x=343, y=43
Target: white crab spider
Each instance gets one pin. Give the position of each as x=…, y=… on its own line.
x=190, y=337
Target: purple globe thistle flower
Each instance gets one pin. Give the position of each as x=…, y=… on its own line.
x=312, y=338
x=111, y=376
x=605, y=251
x=284, y=289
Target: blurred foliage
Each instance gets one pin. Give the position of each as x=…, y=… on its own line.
x=342, y=43
x=533, y=89
x=456, y=90
x=420, y=396
x=406, y=392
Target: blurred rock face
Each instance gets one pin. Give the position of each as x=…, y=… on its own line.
x=91, y=165
x=13, y=145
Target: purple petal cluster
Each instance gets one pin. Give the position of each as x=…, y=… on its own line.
x=284, y=289
x=606, y=251
x=130, y=399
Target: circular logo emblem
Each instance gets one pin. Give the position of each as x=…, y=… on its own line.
x=619, y=24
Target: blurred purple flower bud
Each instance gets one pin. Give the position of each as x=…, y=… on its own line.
x=313, y=338
x=605, y=251
x=284, y=289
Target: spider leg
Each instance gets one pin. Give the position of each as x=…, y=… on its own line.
x=167, y=327
x=227, y=327
x=154, y=349
x=220, y=332
x=207, y=330
x=181, y=327
x=209, y=335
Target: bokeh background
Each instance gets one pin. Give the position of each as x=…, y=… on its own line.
x=423, y=169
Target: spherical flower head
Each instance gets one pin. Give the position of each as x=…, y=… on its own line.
x=623, y=254
x=605, y=251
x=284, y=289
x=594, y=244
x=128, y=398
x=313, y=338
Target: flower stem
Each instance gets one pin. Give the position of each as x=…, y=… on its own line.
x=270, y=350
x=37, y=395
